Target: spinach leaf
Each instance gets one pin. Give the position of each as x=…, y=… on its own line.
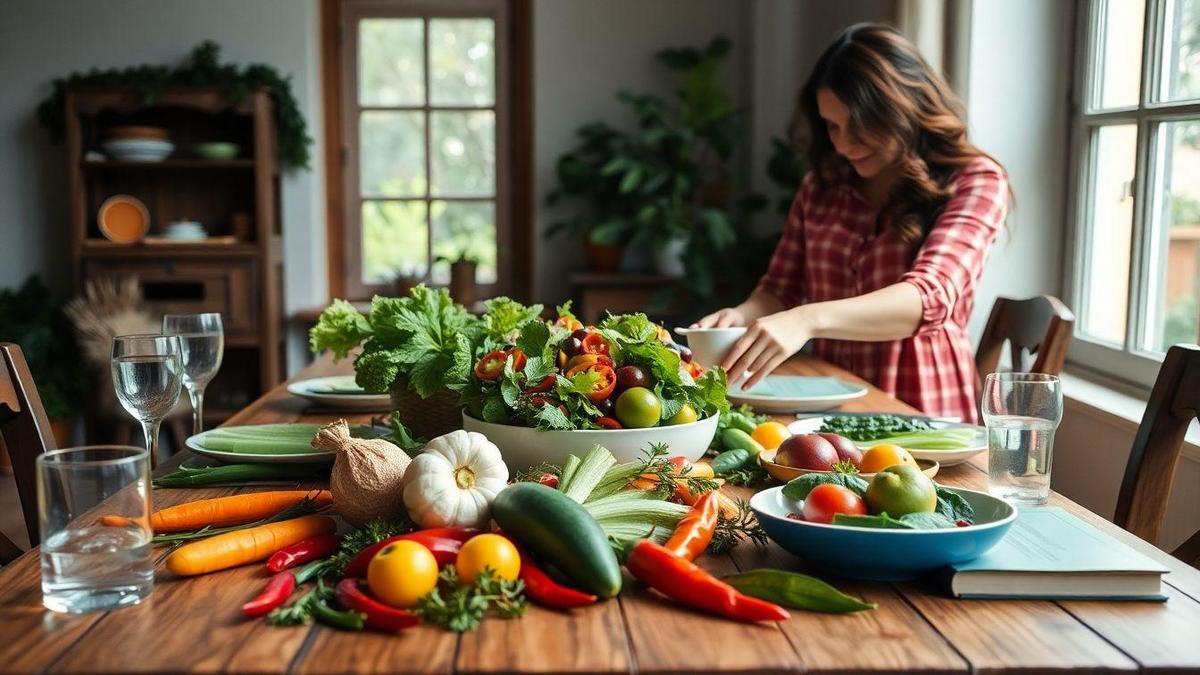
x=928, y=521
x=881, y=522
x=798, y=488
x=953, y=506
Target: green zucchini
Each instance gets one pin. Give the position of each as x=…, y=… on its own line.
x=736, y=438
x=558, y=530
x=730, y=460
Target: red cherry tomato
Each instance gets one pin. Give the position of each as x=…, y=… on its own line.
x=595, y=343
x=548, y=479
x=828, y=499
x=694, y=369
x=542, y=386
x=538, y=401
x=518, y=357
x=589, y=360
x=608, y=423
x=491, y=366
x=604, y=387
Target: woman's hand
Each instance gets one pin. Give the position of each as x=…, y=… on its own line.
x=770, y=341
x=722, y=318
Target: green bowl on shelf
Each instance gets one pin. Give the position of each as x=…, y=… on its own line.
x=217, y=150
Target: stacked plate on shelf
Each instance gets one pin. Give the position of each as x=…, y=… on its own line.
x=138, y=144
x=184, y=230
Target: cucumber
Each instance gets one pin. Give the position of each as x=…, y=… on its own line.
x=558, y=530
x=730, y=460
x=739, y=421
x=736, y=438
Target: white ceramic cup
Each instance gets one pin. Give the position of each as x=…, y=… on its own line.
x=710, y=345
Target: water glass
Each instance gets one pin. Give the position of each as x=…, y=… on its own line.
x=202, y=340
x=147, y=372
x=1021, y=412
x=94, y=518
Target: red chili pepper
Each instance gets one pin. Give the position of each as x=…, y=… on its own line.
x=542, y=386
x=683, y=581
x=443, y=542
x=491, y=366
x=608, y=423
x=518, y=357
x=595, y=343
x=695, y=530
x=379, y=616
x=303, y=551
x=546, y=591
x=276, y=592
x=548, y=479
x=604, y=387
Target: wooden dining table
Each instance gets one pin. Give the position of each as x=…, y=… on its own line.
x=195, y=624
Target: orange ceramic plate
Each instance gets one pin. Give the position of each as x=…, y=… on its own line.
x=123, y=219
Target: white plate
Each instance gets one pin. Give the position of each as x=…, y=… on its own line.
x=196, y=445
x=943, y=457
x=823, y=393
x=364, y=402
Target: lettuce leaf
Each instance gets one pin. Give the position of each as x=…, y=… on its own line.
x=339, y=329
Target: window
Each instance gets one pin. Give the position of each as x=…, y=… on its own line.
x=1136, y=214
x=426, y=163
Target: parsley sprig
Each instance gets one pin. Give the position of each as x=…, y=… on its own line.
x=462, y=607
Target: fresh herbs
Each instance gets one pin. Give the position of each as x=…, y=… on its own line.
x=903, y=431
x=953, y=506
x=733, y=530
x=751, y=475
x=314, y=604
x=461, y=607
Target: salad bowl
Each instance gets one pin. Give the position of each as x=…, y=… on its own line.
x=882, y=554
x=523, y=447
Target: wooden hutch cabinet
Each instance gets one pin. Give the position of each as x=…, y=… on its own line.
x=238, y=270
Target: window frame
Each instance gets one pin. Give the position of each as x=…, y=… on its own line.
x=512, y=136
x=1128, y=362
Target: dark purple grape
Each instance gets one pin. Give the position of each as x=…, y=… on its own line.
x=572, y=346
x=630, y=376
x=580, y=334
x=606, y=407
x=685, y=354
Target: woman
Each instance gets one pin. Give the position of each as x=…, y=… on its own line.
x=887, y=236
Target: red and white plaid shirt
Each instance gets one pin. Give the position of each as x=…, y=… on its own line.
x=830, y=251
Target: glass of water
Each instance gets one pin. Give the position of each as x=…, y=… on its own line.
x=203, y=342
x=94, y=518
x=1021, y=411
x=147, y=372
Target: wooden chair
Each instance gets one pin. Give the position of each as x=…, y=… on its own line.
x=1174, y=403
x=1039, y=325
x=27, y=434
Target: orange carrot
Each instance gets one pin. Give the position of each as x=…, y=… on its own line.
x=245, y=546
x=116, y=521
x=726, y=505
x=235, y=510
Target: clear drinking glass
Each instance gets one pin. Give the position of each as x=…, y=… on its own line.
x=1021, y=411
x=147, y=374
x=94, y=517
x=202, y=340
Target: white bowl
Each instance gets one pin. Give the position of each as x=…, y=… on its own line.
x=524, y=447
x=710, y=345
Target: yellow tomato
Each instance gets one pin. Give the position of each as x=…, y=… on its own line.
x=879, y=457
x=488, y=550
x=402, y=573
x=770, y=435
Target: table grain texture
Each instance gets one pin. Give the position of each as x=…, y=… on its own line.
x=194, y=624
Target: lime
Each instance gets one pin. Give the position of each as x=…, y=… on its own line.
x=638, y=408
x=901, y=489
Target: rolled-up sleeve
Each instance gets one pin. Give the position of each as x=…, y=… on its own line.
x=950, y=261
x=785, y=273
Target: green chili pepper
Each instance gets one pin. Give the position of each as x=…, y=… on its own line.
x=345, y=620
x=235, y=473
x=796, y=591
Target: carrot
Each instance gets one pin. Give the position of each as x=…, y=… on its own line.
x=235, y=510
x=116, y=521
x=245, y=546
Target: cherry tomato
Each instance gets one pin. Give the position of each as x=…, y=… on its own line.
x=639, y=408
x=678, y=461
x=828, y=499
x=606, y=406
x=518, y=357
x=488, y=551
x=568, y=322
x=686, y=415
x=589, y=360
x=491, y=366
x=630, y=376
x=572, y=346
x=595, y=343
x=542, y=386
x=694, y=369
x=602, y=389
x=608, y=423
x=548, y=479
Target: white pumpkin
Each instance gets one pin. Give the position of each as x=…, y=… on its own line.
x=453, y=481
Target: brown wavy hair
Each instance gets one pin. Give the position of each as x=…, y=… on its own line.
x=891, y=92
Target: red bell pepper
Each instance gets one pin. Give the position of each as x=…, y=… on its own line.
x=276, y=592
x=695, y=530
x=378, y=615
x=443, y=542
x=303, y=551
x=683, y=581
x=542, y=589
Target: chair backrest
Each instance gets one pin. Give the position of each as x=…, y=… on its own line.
x=1039, y=325
x=25, y=428
x=1158, y=445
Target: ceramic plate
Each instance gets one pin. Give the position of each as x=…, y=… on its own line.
x=340, y=393
x=196, y=444
x=809, y=425
x=796, y=393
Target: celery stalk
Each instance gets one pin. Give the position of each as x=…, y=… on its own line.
x=587, y=474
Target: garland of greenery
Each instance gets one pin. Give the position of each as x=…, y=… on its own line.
x=200, y=68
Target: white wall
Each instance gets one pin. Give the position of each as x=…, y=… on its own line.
x=40, y=41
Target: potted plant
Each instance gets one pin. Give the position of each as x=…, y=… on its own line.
x=463, y=287
x=581, y=179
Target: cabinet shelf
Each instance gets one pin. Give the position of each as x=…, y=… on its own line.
x=167, y=164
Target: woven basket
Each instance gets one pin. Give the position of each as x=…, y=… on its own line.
x=430, y=417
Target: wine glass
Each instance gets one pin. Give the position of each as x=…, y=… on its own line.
x=203, y=343
x=147, y=374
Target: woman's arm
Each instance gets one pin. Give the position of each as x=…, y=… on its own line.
x=759, y=304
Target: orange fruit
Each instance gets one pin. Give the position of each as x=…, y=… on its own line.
x=879, y=457
x=770, y=435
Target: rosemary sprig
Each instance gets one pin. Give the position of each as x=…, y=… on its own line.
x=733, y=531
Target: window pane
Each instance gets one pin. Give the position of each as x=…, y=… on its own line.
x=395, y=240
x=1181, y=51
x=462, y=61
x=392, y=153
x=391, y=65
x=1110, y=223
x=464, y=154
x=464, y=229
x=1119, y=53
x=1175, y=267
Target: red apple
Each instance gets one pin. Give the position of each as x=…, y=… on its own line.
x=846, y=449
x=807, y=451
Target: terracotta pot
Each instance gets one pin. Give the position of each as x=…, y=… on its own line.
x=462, y=282
x=601, y=258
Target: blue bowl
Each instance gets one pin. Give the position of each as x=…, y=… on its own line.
x=878, y=554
